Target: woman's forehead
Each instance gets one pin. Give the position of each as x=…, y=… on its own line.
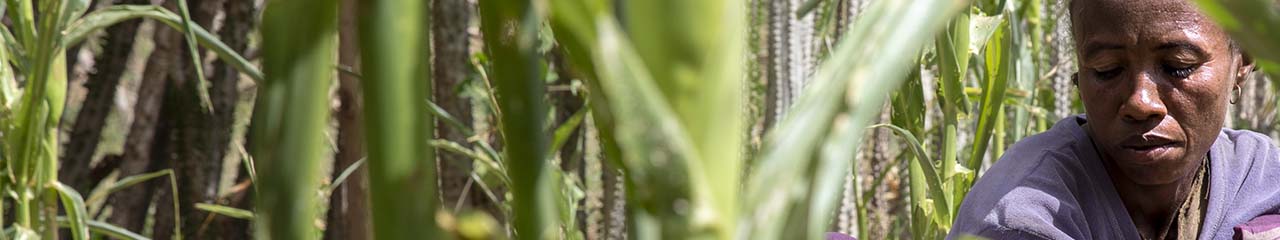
x=1131, y=22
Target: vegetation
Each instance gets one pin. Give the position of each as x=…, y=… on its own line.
x=565, y=119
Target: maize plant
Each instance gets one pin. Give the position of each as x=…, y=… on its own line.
x=669, y=88
x=645, y=78
x=1251, y=24
x=395, y=50
x=34, y=54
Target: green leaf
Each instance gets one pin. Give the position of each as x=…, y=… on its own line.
x=106, y=229
x=202, y=85
x=226, y=211
x=941, y=211
x=102, y=18
x=908, y=113
x=565, y=130
x=1251, y=23
x=510, y=29
x=76, y=213
x=808, y=7
x=290, y=117
x=342, y=177
x=438, y=112
x=125, y=183
x=890, y=32
x=980, y=30
x=657, y=149
x=991, y=7
x=999, y=60
x=953, y=62
x=24, y=233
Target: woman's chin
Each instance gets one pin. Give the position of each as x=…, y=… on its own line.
x=1152, y=166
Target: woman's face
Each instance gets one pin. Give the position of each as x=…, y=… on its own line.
x=1155, y=77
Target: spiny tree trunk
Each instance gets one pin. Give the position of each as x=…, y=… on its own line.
x=1063, y=59
x=144, y=144
x=451, y=66
x=566, y=103
x=348, y=216
x=202, y=135
x=240, y=20
x=102, y=84
x=777, y=69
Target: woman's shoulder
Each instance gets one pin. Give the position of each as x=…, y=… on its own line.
x=1045, y=185
x=1244, y=151
x=1245, y=170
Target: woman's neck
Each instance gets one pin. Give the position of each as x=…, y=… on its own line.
x=1152, y=208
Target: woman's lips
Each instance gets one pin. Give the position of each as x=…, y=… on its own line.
x=1149, y=149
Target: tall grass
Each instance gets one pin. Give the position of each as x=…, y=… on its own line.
x=395, y=62
x=665, y=83
x=34, y=50
x=291, y=114
x=658, y=111
x=510, y=30
x=1252, y=24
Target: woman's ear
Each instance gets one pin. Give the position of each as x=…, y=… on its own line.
x=1245, y=68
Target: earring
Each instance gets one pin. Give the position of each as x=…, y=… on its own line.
x=1235, y=96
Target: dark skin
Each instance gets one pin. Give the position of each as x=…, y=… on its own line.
x=1156, y=77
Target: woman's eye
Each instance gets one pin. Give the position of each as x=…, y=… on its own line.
x=1107, y=73
x=1179, y=72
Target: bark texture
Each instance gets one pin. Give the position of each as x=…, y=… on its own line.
x=102, y=84
x=145, y=143
x=348, y=216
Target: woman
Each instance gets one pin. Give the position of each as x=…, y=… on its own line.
x=1149, y=159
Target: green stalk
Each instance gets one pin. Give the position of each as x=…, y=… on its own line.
x=998, y=61
x=998, y=147
x=1028, y=39
x=953, y=62
x=511, y=36
x=396, y=67
x=908, y=113
x=852, y=87
x=693, y=49
x=299, y=40
x=41, y=105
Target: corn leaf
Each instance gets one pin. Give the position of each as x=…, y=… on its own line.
x=908, y=113
x=299, y=39
x=941, y=214
x=953, y=61
x=693, y=51
x=1252, y=23
x=102, y=18
x=786, y=163
x=342, y=177
x=202, y=85
x=226, y=211
x=999, y=61
x=565, y=130
x=106, y=229
x=76, y=213
x=654, y=143
x=125, y=183
x=510, y=30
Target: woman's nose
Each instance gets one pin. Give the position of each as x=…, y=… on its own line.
x=1143, y=103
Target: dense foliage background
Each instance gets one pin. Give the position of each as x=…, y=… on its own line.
x=561, y=119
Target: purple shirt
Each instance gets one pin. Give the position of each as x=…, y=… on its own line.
x=1054, y=186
